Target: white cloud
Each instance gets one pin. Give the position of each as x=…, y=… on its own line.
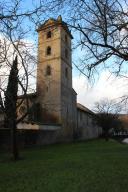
x=107, y=86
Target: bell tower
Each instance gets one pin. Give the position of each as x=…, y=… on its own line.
x=54, y=71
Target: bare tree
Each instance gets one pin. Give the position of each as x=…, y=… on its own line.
x=107, y=115
x=13, y=43
x=108, y=106
x=102, y=28
x=16, y=26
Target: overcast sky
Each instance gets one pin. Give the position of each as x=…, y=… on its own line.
x=107, y=86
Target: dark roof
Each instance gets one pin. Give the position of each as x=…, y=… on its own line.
x=84, y=109
x=74, y=92
x=28, y=95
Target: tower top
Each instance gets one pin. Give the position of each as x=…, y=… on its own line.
x=55, y=22
x=59, y=18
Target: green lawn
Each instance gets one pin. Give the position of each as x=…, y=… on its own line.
x=80, y=167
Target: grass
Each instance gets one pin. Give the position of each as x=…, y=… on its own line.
x=93, y=166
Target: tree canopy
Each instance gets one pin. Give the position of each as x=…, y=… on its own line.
x=107, y=115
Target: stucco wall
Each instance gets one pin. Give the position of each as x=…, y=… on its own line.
x=55, y=91
x=48, y=86
x=86, y=126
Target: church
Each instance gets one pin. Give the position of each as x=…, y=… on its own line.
x=54, y=111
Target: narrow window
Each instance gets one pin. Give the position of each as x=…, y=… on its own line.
x=48, y=50
x=66, y=38
x=66, y=72
x=47, y=88
x=49, y=34
x=48, y=70
x=66, y=53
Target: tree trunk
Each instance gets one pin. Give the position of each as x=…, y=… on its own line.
x=106, y=134
x=14, y=141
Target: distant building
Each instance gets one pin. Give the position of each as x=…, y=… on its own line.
x=122, y=130
x=124, y=120
x=53, y=108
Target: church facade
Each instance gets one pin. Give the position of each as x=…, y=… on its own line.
x=54, y=108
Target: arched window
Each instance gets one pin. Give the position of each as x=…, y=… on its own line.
x=49, y=34
x=66, y=53
x=48, y=70
x=48, y=50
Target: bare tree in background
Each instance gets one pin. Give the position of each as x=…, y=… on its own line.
x=107, y=116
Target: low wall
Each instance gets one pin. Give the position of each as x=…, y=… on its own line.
x=30, y=137
x=33, y=126
x=37, y=137
x=5, y=138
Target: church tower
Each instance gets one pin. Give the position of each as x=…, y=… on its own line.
x=54, y=73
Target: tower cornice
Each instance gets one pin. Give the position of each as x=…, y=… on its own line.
x=54, y=22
